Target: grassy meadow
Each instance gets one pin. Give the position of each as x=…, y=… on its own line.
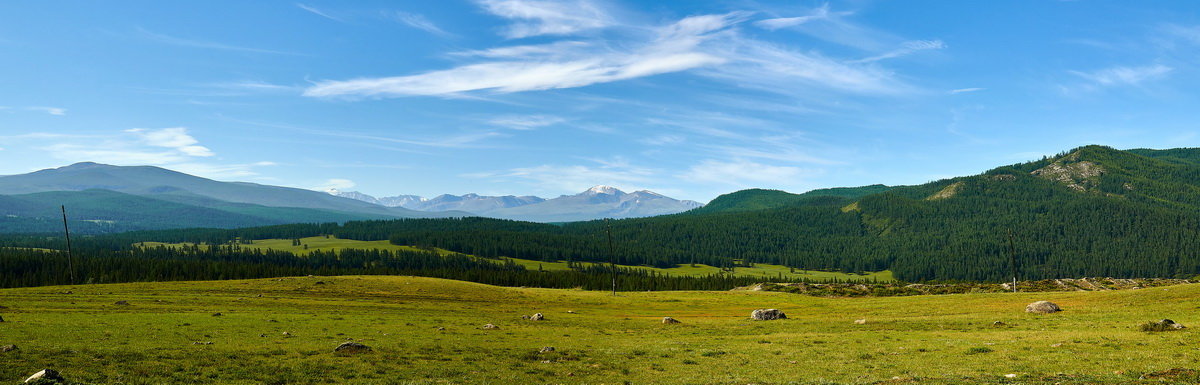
x=766, y=271
x=423, y=330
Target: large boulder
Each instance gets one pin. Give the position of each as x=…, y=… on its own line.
x=352, y=347
x=1042, y=307
x=537, y=317
x=767, y=314
x=46, y=375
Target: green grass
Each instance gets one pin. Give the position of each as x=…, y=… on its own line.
x=79, y=331
x=759, y=270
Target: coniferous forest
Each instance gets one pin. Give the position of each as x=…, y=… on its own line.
x=1092, y=211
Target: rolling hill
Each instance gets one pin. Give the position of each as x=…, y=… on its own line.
x=106, y=198
x=1091, y=211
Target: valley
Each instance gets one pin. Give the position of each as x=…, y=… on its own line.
x=423, y=330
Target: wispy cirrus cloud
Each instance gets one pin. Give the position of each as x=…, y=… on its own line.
x=57, y=111
x=1124, y=76
x=744, y=173
x=966, y=90
x=545, y=17
x=820, y=13
x=560, y=178
x=673, y=50
x=906, y=48
x=418, y=21
x=172, y=40
x=318, y=12
x=526, y=122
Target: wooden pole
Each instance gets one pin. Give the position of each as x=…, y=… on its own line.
x=612, y=256
x=67, y=233
x=1012, y=259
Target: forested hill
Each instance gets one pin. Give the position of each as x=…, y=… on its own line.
x=1092, y=211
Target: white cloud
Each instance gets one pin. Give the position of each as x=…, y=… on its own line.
x=575, y=178
x=49, y=110
x=175, y=138
x=966, y=90
x=674, y=49
x=555, y=49
x=255, y=85
x=166, y=39
x=335, y=184
x=419, y=21
x=821, y=13
x=662, y=140
x=778, y=69
x=526, y=122
x=743, y=173
x=317, y=12
x=172, y=148
x=544, y=17
x=1127, y=76
x=906, y=48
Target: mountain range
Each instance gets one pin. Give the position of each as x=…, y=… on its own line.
x=105, y=198
x=595, y=203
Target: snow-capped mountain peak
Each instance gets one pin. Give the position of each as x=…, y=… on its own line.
x=602, y=189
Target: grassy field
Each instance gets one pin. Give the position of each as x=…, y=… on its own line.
x=422, y=330
x=759, y=270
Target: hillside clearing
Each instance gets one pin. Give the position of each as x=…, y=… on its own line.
x=766, y=271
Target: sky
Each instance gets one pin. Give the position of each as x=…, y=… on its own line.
x=690, y=99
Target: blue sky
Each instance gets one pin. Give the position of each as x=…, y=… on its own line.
x=529, y=97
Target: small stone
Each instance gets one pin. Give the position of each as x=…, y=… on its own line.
x=202, y=343
x=546, y=349
x=439, y=328
x=352, y=347
x=1058, y=345
x=1, y=319
x=670, y=320
x=525, y=317
x=570, y=312
x=860, y=321
x=8, y=348
x=121, y=302
x=490, y=327
x=286, y=334
x=999, y=324
x=537, y=317
x=217, y=314
x=1010, y=375
x=46, y=374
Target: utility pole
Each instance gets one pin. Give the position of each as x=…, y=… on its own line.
x=67, y=232
x=612, y=256
x=1012, y=259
